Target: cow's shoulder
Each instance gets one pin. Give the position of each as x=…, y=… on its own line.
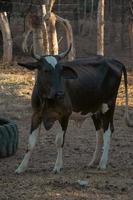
x=88, y=66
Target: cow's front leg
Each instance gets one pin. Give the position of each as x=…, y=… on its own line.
x=59, y=141
x=59, y=161
x=31, y=144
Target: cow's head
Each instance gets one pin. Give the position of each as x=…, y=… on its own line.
x=51, y=74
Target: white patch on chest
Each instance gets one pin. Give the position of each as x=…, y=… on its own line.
x=51, y=60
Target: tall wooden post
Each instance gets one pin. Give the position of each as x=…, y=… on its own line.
x=7, y=39
x=38, y=31
x=100, y=28
x=45, y=31
x=53, y=41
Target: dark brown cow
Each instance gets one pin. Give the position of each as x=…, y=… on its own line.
x=87, y=85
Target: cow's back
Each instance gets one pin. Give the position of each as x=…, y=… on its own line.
x=98, y=82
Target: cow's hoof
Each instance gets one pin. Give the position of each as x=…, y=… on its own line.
x=57, y=170
x=92, y=164
x=20, y=170
x=102, y=166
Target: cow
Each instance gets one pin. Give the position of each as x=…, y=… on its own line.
x=84, y=85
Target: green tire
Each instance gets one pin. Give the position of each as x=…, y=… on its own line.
x=9, y=138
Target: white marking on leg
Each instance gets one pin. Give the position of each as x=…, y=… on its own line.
x=105, y=108
x=106, y=141
x=51, y=60
x=59, y=162
x=98, y=149
x=32, y=142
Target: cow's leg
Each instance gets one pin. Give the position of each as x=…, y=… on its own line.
x=59, y=161
x=59, y=141
x=108, y=129
x=106, y=145
x=99, y=140
x=31, y=143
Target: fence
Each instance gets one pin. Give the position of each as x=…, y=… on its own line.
x=82, y=15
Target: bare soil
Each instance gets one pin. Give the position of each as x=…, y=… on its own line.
x=39, y=182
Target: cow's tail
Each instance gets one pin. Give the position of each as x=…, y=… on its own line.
x=127, y=118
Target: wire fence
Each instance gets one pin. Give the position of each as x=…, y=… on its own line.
x=81, y=8
x=117, y=42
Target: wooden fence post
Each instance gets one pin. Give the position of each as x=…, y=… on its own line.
x=100, y=28
x=7, y=39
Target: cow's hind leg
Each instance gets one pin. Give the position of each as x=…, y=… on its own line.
x=31, y=143
x=99, y=140
x=59, y=141
x=108, y=129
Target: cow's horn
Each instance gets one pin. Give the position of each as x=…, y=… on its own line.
x=62, y=55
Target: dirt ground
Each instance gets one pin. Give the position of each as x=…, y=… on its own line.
x=39, y=182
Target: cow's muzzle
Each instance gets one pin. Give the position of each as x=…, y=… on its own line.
x=53, y=96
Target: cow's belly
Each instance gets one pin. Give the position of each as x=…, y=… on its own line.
x=87, y=97
x=83, y=110
x=86, y=104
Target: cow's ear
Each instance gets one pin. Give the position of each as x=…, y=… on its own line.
x=30, y=66
x=68, y=73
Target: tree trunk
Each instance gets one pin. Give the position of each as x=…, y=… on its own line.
x=51, y=25
x=100, y=28
x=130, y=28
x=36, y=24
x=7, y=39
x=38, y=41
x=42, y=24
x=49, y=7
x=53, y=41
x=45, y=31
x=122, y=24
x=40, y=35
